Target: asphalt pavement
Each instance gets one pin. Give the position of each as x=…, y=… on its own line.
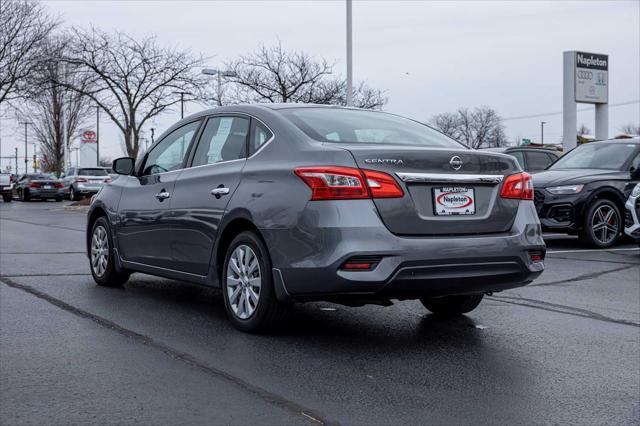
x=565, y=349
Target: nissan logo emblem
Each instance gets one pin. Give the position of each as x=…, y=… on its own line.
x=455, y=163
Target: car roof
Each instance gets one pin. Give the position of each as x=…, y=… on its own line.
x=622, y=141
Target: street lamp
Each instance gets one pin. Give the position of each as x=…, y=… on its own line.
x=26, y=149
x=220, y=74
x=349, y=57
x=181, y=102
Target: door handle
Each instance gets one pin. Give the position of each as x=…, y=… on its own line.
x=163, y=195
x=219, y=192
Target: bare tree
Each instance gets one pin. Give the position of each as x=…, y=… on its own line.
x=132, y=79
x=24, y=27
x=477, y=128
x=583, y=130
x=272, y=74
x=631, y=129
x=54, y=110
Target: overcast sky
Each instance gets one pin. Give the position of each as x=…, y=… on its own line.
x=430, y=57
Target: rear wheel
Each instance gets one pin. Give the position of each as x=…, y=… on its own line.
x=452, y=305
x=102, y=256
x=24, y=195
x=247, y=286
x=6, y=197
x=73, y=196
x=602, y=224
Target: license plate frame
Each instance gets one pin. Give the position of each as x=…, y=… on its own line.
x=454, y=201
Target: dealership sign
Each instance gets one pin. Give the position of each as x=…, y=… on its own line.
x=592, y=78
x=89, y=136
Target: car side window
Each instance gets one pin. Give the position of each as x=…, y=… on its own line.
x=635, y=164
x=519, y=157
x=537, y=161
x=169, y=154
x=223, y=139
x=259, y=137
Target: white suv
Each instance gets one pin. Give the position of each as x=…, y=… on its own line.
x=632, y=214
x=84, y=181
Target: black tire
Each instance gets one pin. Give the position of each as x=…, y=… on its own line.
x=58, y=199
x=452, y=305
x=7, y=197
x=594, y=238
x=110, y=276
x=269, y=313
x=24, y=195
x=73, y=196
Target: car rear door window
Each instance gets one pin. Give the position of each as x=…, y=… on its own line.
x=223, y=139
x=537, y=161
x=169, y=154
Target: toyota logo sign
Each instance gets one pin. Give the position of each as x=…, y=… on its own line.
x=455, y=163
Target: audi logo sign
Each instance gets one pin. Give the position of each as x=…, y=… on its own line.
x=592, y=78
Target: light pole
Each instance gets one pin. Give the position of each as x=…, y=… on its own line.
x=349, y=57
x=97, y=107
x=181, y=102
x=153, y=134
x=542, y=123
x=220, y=74
x=26, y=149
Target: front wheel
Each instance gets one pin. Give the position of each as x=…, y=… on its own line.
x=102, y=256
x=247, y=286
x=452, y=305
x=602, y=224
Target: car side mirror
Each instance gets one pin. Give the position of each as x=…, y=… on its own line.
x=124, y=165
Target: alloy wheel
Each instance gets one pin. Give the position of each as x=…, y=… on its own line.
x=243, y=281
x=99, y=251
x=604, y=224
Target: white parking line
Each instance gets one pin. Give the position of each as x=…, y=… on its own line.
x=590, y=250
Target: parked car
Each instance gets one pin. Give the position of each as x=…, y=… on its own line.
x=38, y=185
x=83, y=181
x=632, y=214
x=6, y=187
x=584, y=191
x=530, y=159
x=285, y=203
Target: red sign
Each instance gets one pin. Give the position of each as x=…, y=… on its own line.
x=89, y=136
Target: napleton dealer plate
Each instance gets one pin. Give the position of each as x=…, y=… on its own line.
x=454, y=200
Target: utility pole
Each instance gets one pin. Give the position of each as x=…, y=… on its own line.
x=16, y=148
x=153, y=133
x=542, y=123
x=35, y=158
x=97, y=107
x=181, y=102
x=349, y=57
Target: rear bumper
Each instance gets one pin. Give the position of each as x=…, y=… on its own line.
x=45, y=193
x=308, y=259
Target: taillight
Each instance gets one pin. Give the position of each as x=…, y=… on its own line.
x=518, y=186
x=58, y=185
x=10, y=178
x=81, y=180
x=34, y=185
x=107, y=180
x=347, y=183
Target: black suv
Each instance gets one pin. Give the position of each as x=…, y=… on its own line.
x=531, y=159
x=584, y=191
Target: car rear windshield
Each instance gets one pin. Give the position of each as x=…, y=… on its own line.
x=357, y=126
x=92, y=172
x=596, y=156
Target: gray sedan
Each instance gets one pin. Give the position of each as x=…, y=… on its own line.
x=285, y=203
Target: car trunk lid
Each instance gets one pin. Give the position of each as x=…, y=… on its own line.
x=447, y=192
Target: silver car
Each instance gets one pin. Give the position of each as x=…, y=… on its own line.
x=84, y=181
x=632, y=214
x=285, y=203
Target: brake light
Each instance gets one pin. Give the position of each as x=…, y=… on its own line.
x=347, y=183
x=10, y=178
x=107, y=180
x=518, y=186
x=80, y=180
x=34, y=185
x=58, y=185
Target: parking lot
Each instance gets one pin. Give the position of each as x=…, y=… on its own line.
x=564, y=349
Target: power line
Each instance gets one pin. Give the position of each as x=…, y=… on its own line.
x=520, y=117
